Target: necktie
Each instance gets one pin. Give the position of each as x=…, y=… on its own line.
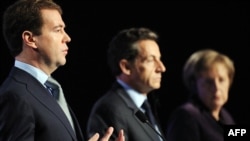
x=146, y=106
x=148, y=112
x=56, y=91
x=52, y=88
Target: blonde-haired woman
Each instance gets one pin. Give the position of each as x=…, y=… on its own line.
x=208, y=76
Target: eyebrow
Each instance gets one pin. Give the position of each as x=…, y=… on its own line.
x=60, y=26
x=151, y=55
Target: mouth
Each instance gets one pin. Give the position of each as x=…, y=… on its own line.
x=65, y=51
x=158, y=78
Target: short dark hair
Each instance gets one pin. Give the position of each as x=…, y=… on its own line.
x=122, y=46
x=24, y=15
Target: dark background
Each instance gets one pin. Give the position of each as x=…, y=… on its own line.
x=183, y=26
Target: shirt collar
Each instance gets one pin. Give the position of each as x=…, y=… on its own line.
x=35, y=72
x=137, y=97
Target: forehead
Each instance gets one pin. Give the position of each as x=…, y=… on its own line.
x=148, y=47
x=51, y=17
x=216, y=69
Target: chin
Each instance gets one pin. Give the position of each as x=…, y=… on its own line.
x=63, y=62
x=216, y=105
x=156, y=86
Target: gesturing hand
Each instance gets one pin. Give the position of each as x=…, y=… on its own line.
x=107, y=135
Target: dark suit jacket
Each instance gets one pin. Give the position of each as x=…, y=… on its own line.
x=193, y=122
x=29, y=113
x=117, y=109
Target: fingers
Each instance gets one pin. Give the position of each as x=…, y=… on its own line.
x=95, y=137
x=107, y=134
x=121, y=136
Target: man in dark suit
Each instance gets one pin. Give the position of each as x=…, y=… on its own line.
x=135, y=60
x=34, y=32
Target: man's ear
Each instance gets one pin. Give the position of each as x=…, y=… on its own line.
x=29, y=39
x=125, y=66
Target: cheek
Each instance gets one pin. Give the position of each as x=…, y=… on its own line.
x=225, y=91
x=142, y=72
x=226, y=86
x=200, y=88
x=203, y=91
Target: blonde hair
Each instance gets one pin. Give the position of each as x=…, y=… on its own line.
x=202, y=60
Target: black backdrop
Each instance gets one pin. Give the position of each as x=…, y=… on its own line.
x=183, y=26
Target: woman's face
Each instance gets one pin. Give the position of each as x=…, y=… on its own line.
x=213, y=86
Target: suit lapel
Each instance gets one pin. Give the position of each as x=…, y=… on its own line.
x=40, y=93
x=78, y=130
x=131, y=105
